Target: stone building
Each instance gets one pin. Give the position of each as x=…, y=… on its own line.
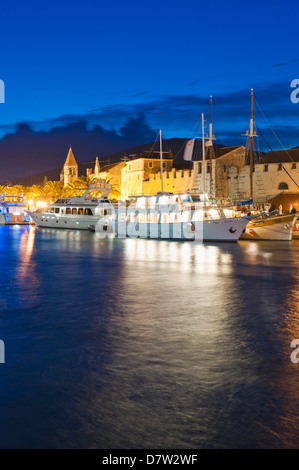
x=141, y=175
x=111, y=173
x=269, y=176
x=69, y=171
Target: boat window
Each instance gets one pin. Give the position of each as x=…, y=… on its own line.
x=186, y=198
x=52, y=210
x=74, y=211
x=196, y=198
x=88, y=212
x=80, y=211
x=56, y=210
x=68, y=210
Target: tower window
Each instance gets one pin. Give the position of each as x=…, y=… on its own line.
x=279, y=167
x=294, y=166
x=283, y=186
x=266, y=167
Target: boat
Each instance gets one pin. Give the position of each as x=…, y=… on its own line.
x=173, y=216
x=12, y=210
x=77, y=212
x=271, y=226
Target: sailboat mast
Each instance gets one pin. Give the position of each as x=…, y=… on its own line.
x=203, y=156
x=161, y=161
x=211, y=146
x=251, y=145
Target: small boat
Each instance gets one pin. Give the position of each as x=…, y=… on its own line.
x=270, y=227
x=77, y=212
x=12, y=210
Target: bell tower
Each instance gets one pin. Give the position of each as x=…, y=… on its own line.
x=69, y=171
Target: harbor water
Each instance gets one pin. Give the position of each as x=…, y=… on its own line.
x=136, y=344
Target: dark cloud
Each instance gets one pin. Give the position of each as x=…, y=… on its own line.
x=27, y=151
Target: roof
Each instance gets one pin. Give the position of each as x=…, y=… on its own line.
x=285, y=156
x=111, y=165
x=70, y=159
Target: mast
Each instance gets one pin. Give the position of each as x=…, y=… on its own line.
x=211, y=144
x=203, y=158
x=161, y=162
x=251, y=145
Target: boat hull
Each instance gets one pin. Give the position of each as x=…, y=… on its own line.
x=42, y=219
x=219, y=230
x=273, y=228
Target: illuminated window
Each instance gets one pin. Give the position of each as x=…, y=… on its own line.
x=56, y=210
x=88, y=212
x=68, y=210
x=80, y=211
x=74, y=211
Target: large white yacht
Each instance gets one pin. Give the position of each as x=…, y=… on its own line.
x=77, y=212
x=173, y=216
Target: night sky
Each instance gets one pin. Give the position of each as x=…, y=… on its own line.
x=116, y=72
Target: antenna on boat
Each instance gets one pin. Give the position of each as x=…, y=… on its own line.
x=161, y=162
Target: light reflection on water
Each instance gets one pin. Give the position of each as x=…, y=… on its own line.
x=146, y=343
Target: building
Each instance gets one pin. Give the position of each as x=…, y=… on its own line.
x=141, y=175
x=69, y=171
x=111, y=173
x=269, y=177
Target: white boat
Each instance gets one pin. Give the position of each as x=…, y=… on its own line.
x=77, y=212
x=172, y=216
x=12, y=210
x=273, y=227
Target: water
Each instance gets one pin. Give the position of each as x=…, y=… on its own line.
x=135, y=344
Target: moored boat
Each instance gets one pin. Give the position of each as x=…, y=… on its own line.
x=12, y=210
x=76, y=212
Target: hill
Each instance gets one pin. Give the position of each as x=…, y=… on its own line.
x=175, y=145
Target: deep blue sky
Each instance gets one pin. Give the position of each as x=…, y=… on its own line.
x=107, y=62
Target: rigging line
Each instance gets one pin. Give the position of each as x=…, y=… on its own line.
x=273, y=130
x=277, y=157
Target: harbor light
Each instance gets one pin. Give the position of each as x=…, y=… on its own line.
x=41, y=204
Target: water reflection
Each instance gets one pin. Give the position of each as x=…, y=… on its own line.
x=147, y=343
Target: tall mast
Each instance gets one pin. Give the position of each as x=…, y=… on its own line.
x=211, y=144
x=161, y=162
x=251, y=145
x=203, y=157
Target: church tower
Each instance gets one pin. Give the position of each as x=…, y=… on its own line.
x=69, y=171
x=97, y=167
